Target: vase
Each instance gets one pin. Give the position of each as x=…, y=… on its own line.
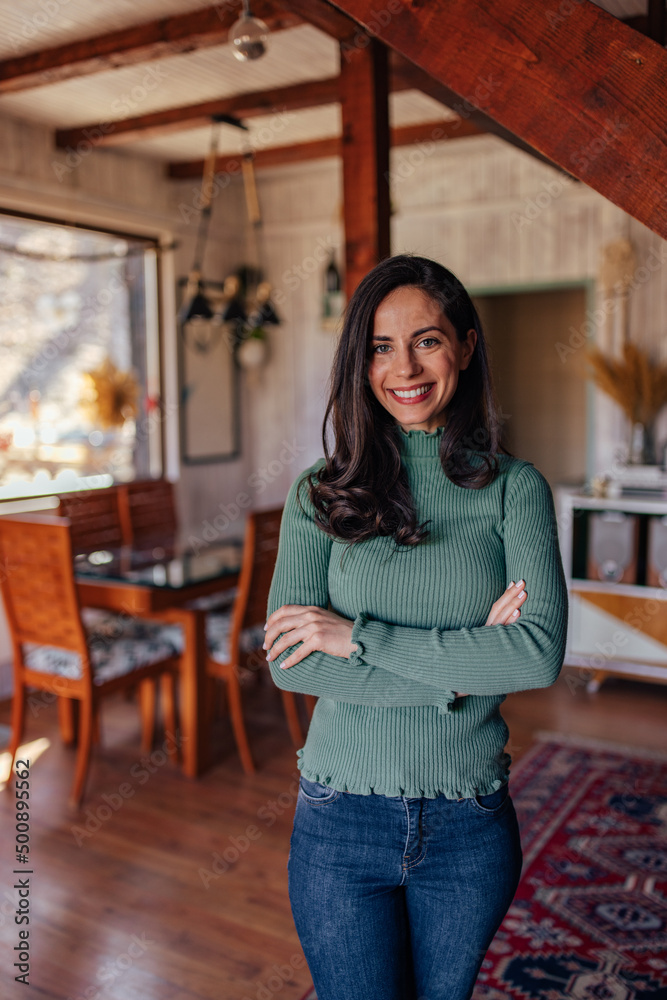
x=642, y=445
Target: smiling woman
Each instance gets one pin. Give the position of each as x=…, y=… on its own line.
x=417, y=357
x=417, y=560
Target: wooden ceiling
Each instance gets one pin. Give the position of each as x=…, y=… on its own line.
x=565, y=81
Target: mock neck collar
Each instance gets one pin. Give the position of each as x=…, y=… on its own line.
x=420, y=444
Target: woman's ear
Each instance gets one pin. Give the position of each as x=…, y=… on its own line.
x=468, y=348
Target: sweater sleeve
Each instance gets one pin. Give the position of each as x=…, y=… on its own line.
x=492, y=659
x=301, y=577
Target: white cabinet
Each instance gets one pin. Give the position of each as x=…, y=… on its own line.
x=614, y=628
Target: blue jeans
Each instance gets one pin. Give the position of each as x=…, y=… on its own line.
x=398, y=898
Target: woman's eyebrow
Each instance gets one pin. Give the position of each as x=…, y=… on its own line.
x=417, y=333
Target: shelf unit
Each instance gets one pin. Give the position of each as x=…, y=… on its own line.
x=614, y=628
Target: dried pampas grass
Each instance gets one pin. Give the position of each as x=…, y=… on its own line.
x=636, y=383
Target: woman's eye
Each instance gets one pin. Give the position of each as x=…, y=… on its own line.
x=429, y=341
x=378, y=349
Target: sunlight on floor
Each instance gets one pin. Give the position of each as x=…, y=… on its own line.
x=28, y=751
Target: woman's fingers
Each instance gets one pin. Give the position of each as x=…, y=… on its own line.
x=288, y=617
x=507, y=608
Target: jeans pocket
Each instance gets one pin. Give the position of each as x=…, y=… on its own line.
x=492, y=804
x=315, y=792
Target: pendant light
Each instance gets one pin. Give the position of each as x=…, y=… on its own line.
x=248, y=36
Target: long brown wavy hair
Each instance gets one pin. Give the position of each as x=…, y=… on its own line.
x=362, y=490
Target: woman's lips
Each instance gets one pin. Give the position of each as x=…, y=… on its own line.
x=411, y=399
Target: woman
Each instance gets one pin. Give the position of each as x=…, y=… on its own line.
x=425, y=539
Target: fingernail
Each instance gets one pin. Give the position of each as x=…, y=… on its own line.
x=283, y=666
x=268, y=655
x=522, y=594
x=515, y=613
x=265, y=626
x=511, y=583
x=264, y=645
x=519, y=584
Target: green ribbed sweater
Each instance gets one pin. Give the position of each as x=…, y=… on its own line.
x=387, y=720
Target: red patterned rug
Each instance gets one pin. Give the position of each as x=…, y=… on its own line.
x=589, y=920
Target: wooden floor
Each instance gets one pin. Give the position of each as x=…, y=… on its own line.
x=162, y=888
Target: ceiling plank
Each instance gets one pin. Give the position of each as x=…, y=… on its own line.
x=312, y=94
x=317, y=149
x=129, y=46
x=580, y=87
x=158, y=123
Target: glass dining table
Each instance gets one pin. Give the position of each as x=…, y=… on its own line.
x=170, y=585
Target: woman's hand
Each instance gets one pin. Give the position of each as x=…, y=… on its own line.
x=506, y=610
x=313, y=626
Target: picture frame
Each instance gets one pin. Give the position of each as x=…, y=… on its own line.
x=209, y=411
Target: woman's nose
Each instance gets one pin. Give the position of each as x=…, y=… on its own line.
x=407, y=363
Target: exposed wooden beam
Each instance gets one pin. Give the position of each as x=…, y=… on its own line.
x=435, y=131
x=325, y=17
x=407, y=76
x=404, y=75
x=275, y=156
x=294, y=98
x=317, y=149
x=263, y=102
x=128, y=46
x=579, y=86
x=364, y=100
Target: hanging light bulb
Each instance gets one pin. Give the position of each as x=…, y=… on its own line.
x=248, y=36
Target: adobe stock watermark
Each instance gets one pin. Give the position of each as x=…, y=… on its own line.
x=123, y=106
x=32, y=26
x=563, y=11
x=405, y=164
x=638, y=616
x=111, y=971
x=280, y=976
x=223, y=861
x=553, y=188
x=112, y=802
x=296, y=274
x=258, y=482
x=378, y=20
x=596, y=318
x=205, y=192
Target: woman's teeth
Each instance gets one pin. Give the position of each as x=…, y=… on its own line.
x=411, y=393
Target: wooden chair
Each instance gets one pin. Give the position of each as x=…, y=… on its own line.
x=95, y=521
x=234, y=635
x=148, y=513
x=57, y=651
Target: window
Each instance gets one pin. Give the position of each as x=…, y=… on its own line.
x=79, y=365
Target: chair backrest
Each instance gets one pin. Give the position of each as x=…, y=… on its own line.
x=37, y=580
x=95, y=521
x=259, y=559
x=148, y=512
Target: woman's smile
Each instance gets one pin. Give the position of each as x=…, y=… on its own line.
x=412, y=395
x=416, y=357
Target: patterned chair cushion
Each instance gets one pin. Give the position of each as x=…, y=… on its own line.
x=218, y=626
x=118, y=645
x=223, y=599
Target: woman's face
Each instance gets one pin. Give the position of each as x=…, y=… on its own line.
x=416, y=358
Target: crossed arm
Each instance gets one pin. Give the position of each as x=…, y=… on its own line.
x=374, y=662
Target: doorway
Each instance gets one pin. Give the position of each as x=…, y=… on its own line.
x=542, y=399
